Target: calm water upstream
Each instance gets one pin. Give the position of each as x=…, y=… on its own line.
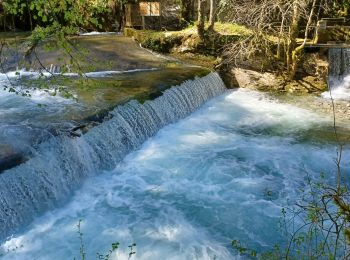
x=223, y=172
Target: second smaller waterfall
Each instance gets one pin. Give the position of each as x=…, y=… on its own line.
x=339, y=74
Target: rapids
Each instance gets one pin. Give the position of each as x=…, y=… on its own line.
x=223, y=172
x=61, y=163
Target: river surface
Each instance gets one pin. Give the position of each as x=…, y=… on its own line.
x=25, y=122
x=224, y=172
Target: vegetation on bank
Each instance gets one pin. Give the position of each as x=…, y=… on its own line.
x=187, y=46
x=166, y=41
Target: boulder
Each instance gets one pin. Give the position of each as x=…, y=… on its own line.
x=256, y=80
x=9, y=157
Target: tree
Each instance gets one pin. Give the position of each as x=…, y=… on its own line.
x=341, y=7
x=187, y=10
x=212, y=14
x=54, y=21
x=275, y=28
x=82, y=14
x=296, y=50
x=201, y=21
x=201, y=17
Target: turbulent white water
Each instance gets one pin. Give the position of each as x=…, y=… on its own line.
x=98, y=33
x=340, y=89
x=15, y=75
x=222, y=173
x=61, y=163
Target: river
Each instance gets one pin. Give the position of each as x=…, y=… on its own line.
x=221, y=172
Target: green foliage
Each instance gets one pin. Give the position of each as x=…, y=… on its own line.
x=106, y=256
x=156, y=41
x=65, y=13
x=56, y=21
x=132, y=250
x=160, y=43
x=242, y=250
x=340, y=5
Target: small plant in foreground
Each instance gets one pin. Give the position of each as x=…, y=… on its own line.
x=106, y=256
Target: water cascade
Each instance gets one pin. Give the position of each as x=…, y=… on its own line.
x=224, y=172
x=61, y=163
x=339, y=73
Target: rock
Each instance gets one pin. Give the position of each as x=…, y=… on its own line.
x=189, y=44
x=9, y=157
x=255, y=80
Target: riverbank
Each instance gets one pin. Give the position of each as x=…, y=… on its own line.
x=255, y=74
x=305, y=92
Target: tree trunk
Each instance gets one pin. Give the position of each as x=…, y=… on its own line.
x=122, y=17
x=296, y=51
x=13, y=23
x=4, y=21
x=200, y=26
x=186, y=10
x=280, y=38
x=29, y=15
x=293, y=35
x=212, y=15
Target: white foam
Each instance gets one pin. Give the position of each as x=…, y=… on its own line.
x=107, y=73
x=340, y=89
x=215, y=176
x=46, y=96
x=43, y=73
x=93, y=33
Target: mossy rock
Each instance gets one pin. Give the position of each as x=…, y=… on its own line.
x=153, y=40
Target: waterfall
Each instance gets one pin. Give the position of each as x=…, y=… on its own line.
x=61, y=163
x=339, y=62
x=339, y=73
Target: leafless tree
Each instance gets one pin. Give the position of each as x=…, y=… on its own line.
x=275, y=28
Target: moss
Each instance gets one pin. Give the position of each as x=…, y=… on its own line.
x=220, y=28
x=206, y=61
x=231, y=29
x=154, y=40
x=164, y=42
x=161, y=43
